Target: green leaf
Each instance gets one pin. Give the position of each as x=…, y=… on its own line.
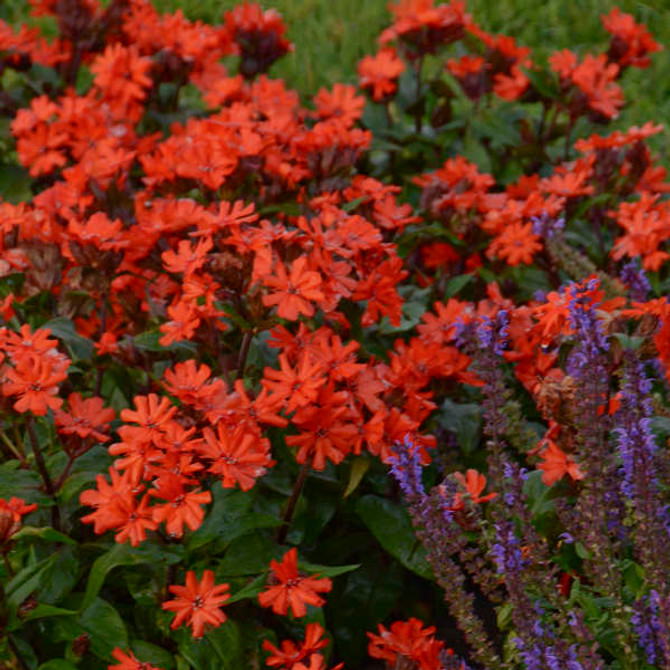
x=582, y=551
x=58, y=664
x=122, y=554
x=251, y=590
x=14, y=183
x=290, y=207
x=229, y=518
x=227, y=642
x=359, y=466
x=151, y=653
x=314, y=511
x=328, y=570
x=353, y=204
x=504, y=615
x=543, y=81
x=18, y=482
x=475, y=152
x=492, y=125
x=633, y=574
x=529, y=280
x=62, y=576
x=219, y=649
x=80, y=347
x=630, y=342
x=391, y=526
x=25, y=652
x=43, y=611
x=414, y=306
x=46, y=533
x=148, y=341
x=28, y=580
x=660, y=425
x=105, y=626
x=540, y=496
x=410, y=317
x=456, y=284
x=247, y=555
x=465, y=421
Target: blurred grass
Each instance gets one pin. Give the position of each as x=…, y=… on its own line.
x=330, y=36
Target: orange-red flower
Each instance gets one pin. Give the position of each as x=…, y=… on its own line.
x=128, y=661
x=516, y=244
x=35, y=380
x=289, y=590
x=151, y=414
x=556, y=464
x=198, y=603
x=408, y=639
x=631, y=42
x=293, y=293
x=240, y=456
x=473, y=484
x=181, y=507
x=289, y=653
x=380, y=73
x=342, y=103
x=85, y=418
x=298, y=387
x=11, y=513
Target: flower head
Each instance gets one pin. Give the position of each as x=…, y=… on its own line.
x=198, y=603
x=289, y=590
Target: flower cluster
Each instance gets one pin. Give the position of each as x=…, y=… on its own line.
x=227, y=311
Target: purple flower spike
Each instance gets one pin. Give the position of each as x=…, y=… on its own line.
x=406, y=467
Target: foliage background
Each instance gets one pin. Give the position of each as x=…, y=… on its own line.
x=330, y=37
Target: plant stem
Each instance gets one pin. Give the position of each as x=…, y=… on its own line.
x=44, y=473
x=8, y=565
x=244, y=352
x=103, y=323
x=17, y=655
x=293, y=501
x=419, y=108
x=10, y=449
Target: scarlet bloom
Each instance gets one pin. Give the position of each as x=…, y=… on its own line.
x=239, y=456
x=128, y=661
x=10, y=516
x=516, y=244
x=631, y=42
x=293, y=292
x=181, y=507
x=289, y=590
x=258, y=36
x=380, y=73
x=151, y=415
x=184, y=321
x=556, y=464
x=121, y=74
x=104, y=499
x=198, y=603
x=298, y=387
x=595, y=77
x=35, y=380
x=290, y=653
x=99, y=231
x=85, y=418
x=342, y=103
x=408, y=639
x=473, y=484
x=132, y=520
